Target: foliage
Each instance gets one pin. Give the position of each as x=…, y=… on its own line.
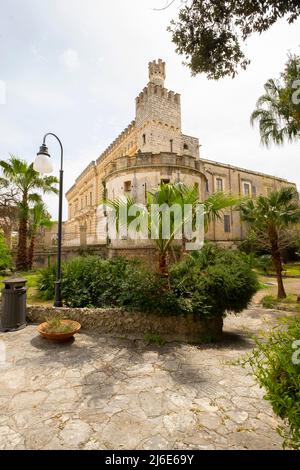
x=270, y=301
x=264, y=263
x=38, y=217
x=150, y=338
x=56, y=325
x=46, y=282
x=21, y=176
x=276, y=366
x=278, y=109
x=209, y=32
x=153, y=222
x=212, y=281
x=5, y=256
x=268, y=215
x=205, y=285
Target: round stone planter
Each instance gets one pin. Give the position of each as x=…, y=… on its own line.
x=56, y=336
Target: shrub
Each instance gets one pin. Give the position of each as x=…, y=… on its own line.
x=5, y=256
x=213, y=281
x=276, y=366
x=206, y=284
x=264, y=263
x=46, y=282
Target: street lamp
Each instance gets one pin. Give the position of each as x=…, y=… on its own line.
x=43, y=164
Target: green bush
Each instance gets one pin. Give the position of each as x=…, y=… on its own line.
x=212, y=281
x=206, y=284
x=5, y=256
x=46, y=282
x=276, y=365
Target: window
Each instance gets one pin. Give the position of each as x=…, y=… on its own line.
x=185, y=146
x=127, y=186
x=206, y=186
x=227, y=225
x=91, y=198
x=144, y=139
x=164, y=181
x=254, y=191
x=86, y=201
x=219, y=184
x=76, y=206
x=171, y=145
x=247, y=189
x=196, y=185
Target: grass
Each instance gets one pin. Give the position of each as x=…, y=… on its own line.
x=292, y=269
x=56, y=325
x=31, y=284
x=289, y=269
x=289, y=303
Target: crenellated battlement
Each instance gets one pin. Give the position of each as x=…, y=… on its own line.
x=157, y=72
x=160, y=92
x=121, y=137
x=90, y=166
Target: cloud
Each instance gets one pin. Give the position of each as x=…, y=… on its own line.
x=70, y=58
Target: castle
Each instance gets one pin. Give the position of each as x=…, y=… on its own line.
x=150, y=150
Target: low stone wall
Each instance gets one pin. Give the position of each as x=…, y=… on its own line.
x=184, y=328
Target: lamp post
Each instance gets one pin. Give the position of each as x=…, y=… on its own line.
x=43, y=164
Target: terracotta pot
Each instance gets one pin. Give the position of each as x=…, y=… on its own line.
x=59, y=336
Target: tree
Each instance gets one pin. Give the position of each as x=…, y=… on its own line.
x=166, y=196
x=25, y=180
x=278, y=109
x=271, y=214
x=209, y=33
x=38, y=217
x=5, y=256
x=8, y=209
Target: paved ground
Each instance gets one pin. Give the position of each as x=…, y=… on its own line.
x=105, y=393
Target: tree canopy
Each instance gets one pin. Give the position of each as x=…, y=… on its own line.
x=210, y=33
x=278, y=109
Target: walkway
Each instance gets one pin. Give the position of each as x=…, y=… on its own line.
x=105, y=393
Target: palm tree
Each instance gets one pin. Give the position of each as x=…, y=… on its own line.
x=271, y=214
x=165, y=197
x=26, y=180
x=278, y=110
x=38, y=217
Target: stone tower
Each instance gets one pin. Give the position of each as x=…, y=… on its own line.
x=158, y=114
x=157, y=72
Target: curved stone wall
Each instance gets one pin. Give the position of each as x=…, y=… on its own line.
x=119, y=323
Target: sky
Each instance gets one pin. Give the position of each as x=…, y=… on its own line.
x=74, y=67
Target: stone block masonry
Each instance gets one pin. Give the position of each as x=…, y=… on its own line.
x=135, y=325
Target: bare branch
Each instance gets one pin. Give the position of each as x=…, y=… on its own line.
x=165, y=7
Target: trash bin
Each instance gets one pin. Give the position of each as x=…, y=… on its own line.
x=13, y=311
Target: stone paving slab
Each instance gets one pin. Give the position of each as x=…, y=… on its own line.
x=100, y=392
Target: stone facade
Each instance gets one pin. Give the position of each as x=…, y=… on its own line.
x=154, y=149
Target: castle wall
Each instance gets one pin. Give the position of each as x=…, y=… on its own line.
x=151, y=149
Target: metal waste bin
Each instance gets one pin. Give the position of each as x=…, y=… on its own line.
x=13, y=311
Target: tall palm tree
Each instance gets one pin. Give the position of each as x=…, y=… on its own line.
x=26, y=180
x=166, y=196
x=38, y=217
x=278, y=110
x=270, y=214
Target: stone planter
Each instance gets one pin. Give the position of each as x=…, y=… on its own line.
x=57, y=336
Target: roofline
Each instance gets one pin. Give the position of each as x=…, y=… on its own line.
x=252, y=172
